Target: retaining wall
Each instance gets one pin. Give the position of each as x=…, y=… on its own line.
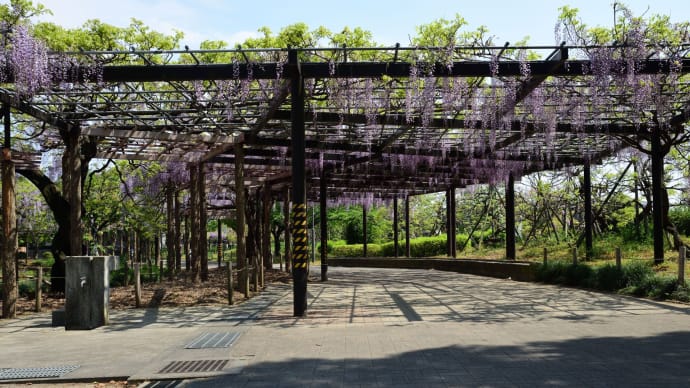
x=516, y=270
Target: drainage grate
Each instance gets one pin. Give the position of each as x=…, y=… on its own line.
x=36, y=373
x=162, y=384
x=213, y=340
x=194, y=366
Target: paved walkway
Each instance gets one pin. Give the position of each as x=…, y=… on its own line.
x=380, y=327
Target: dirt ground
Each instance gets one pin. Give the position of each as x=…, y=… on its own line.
x=180, y=291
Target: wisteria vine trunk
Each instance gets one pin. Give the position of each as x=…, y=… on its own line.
x=61, y=207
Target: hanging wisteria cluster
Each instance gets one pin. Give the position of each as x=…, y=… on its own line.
x=25, y=61
x=419, y=132
x=170, y=175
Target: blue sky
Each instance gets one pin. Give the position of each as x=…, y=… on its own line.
x=389, y=21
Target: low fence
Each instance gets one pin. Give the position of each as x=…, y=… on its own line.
x=31, y=284
x=515, y=270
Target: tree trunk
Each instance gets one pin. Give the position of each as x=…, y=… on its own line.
x=72, y=187
x=187, y=249
x=9, y=243
x=170, y=242
x=253, y=238
x=266, y=226
x=68, y=239
x=195, y=222
x=668, y=224
x=203, y=221
x=61, y=212
x=276, y=241
x=286, y=229
x=241, y=251
x=178, y=234
x=157, y=252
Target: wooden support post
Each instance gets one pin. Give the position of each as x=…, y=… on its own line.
x=587, y=191
x=658, y=195
x=219, y=245
x=619, y=264
x=395, y=227
x=546, y=256
x=258, y=242
x=9, y=226
x=323, y=218
x=636, y=199
x=681, y=265
x=187, y=244
x=194, y=240
x=137, y=284
x=170, y=236
x=241, y=251
x=448, y=231
x=203, y=222
x=299, y=199
x=231, y=290
x=266, y=233
x=407, y=227
x=453, y=223
x=178, y=235
x=39, y=288
x=157, y=255
x=510, y=218
x=286, y=218
x=364, y=230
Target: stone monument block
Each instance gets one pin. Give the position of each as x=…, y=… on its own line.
x=87, y=289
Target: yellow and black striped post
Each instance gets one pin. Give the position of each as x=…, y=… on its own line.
x=300, y=257
x=300, y=247
x=300, y=244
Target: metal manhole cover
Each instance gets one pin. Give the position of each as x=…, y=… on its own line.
x=36, y=373
x=194, y=366
x=213, y=340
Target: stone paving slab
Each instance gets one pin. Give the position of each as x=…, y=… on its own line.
x=386, y=327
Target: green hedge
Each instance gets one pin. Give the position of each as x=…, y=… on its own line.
x=357, y=250
x=419, y=247
x=636, y=278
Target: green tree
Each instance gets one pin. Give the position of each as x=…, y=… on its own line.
x=90, y=36
x=642, y=37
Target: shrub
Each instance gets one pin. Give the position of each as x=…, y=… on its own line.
x=636, y=278
x=636, y=234
x=682, y=293
x=581, y=275
x=609, y=278
x=388, y=249
x=680, y=216
x=122, y=275
x=553, y=272
x=428, y=246
x=332, y=244
x=26, y=289
x=636, y=272
x=460, y=239
x=562, y=272
x=357, y=250
x=419, y=247
x=655, y=286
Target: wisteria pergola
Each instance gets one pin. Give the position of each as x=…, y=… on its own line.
x=363, y=124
